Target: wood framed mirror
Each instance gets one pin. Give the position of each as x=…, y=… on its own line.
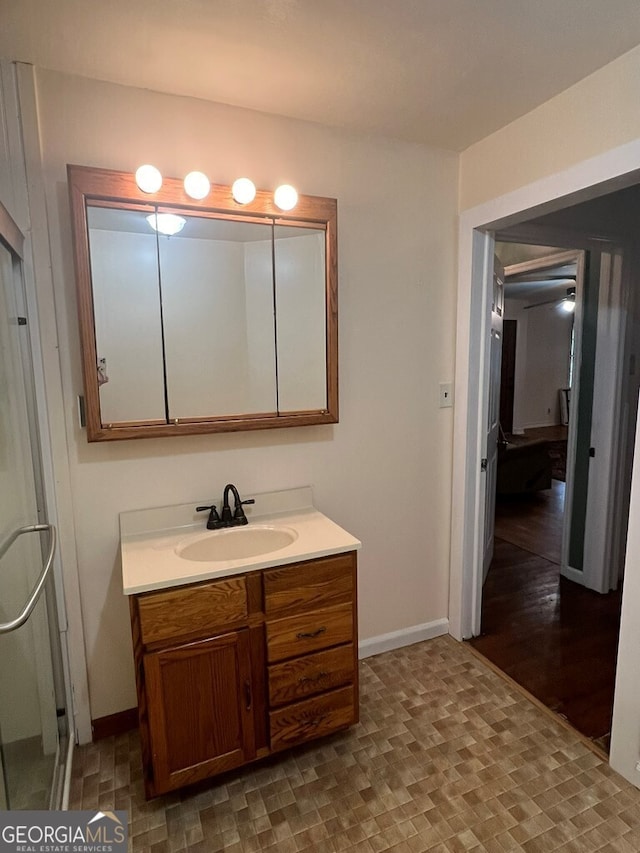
x=229, y=323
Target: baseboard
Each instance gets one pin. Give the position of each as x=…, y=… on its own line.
x=114, y=724
x=573, y=575
x=404, y=637
x=124, y=721
x=540, y=425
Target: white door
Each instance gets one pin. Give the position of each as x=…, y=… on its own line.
x=595, y=477
x=490, y=459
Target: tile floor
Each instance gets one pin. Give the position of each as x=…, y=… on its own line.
x=447, y=757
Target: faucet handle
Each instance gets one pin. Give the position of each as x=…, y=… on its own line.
x=239, y=512
x=213, y=522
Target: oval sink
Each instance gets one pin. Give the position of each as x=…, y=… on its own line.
x=237, y=544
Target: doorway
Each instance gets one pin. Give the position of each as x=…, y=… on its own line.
x=552, y=636
x=589, y=181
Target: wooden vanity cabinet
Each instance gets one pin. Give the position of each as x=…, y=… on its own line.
x=234, y=669
x=312, y=654
x=200, y=709
x=199, y=653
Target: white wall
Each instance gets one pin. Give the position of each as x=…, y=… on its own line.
x=383, y=472
x=596, y=115
x=543, y=346
x=548, y=349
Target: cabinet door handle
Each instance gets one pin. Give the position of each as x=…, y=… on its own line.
x=312, y=679
x=309, y=635
x=247, y=694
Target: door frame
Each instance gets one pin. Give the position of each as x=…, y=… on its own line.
x=584, y=181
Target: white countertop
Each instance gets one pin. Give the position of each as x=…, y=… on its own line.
x=150, y=540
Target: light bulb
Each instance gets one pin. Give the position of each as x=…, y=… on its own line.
x=243, y=190
x=166, y=223
x=286, y=197
x=197, y=185
x=568, y=304
x=148, y=178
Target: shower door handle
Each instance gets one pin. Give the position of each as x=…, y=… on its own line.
x=34, y=595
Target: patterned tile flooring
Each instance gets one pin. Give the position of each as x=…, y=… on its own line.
x=447, y=757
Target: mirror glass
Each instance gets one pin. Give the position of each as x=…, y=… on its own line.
x=218, y=312
x=126, y=297
x=300, y=274
x=228, y=323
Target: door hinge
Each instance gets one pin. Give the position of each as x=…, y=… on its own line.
x=483, y=464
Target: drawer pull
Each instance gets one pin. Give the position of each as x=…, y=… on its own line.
x=310, y=635
x=247, y=694
x=312, y=679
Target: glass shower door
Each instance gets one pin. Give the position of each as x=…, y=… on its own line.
x=29, y=740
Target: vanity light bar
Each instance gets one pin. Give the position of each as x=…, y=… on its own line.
x=243, y=190
x=148, y=178
x=197, y=186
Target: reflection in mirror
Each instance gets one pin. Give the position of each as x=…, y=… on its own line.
x=126, y=296
x=217, y=297
x=300, y=274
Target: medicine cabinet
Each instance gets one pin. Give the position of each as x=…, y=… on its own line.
x=230, y=324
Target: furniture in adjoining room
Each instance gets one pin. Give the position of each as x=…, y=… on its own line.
x=523, y=466
x=556, y=437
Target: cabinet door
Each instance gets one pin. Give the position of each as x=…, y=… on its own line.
x=200, y=699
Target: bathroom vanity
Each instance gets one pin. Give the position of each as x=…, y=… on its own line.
x=239, y=657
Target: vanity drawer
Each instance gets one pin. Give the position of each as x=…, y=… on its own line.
x=192, y=610
x=298, y=635
x=308, y=586
x=301, y=677
x=312, y=718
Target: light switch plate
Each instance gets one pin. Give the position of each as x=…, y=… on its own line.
x=446, y=395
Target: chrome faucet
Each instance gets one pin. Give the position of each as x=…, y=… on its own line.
x=227, y=519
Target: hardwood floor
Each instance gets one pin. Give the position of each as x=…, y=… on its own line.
x=555, y=638
x=533, y=521
x=558, y=432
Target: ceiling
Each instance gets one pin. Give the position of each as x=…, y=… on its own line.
x=551, y=283
x=442, y=72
